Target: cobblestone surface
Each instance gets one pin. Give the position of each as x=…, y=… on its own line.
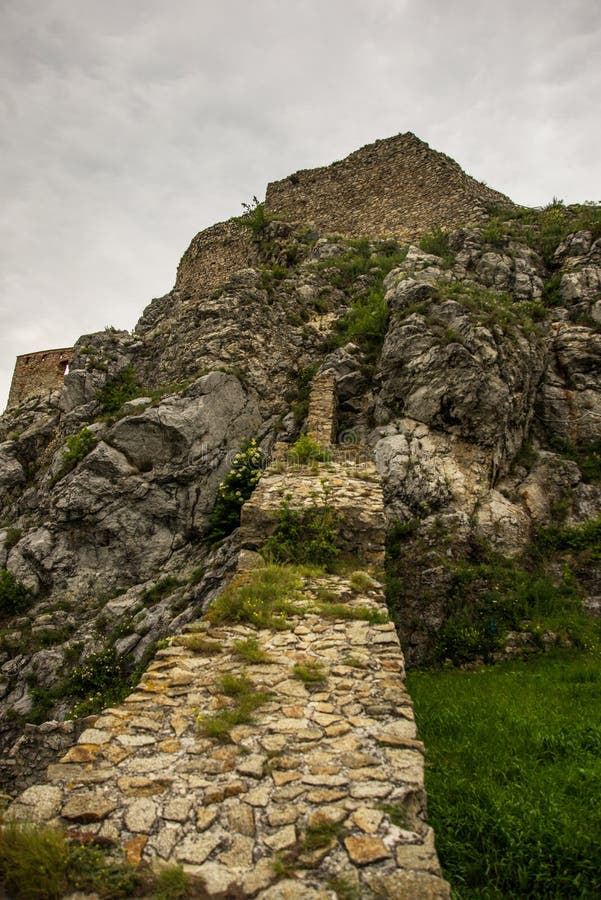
x=321, y=793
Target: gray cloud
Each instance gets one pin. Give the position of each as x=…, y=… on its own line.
x=127, y=127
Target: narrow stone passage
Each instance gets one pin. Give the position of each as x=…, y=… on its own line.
x=321, y=793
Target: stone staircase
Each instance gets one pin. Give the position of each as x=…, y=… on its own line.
x=322, y=794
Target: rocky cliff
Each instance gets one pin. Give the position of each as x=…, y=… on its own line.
x=466, y=364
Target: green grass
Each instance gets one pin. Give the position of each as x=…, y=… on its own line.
x=309, y=672
x=250, y=651
x=263, y=598
x=355, y=613
x=245, y=701
x=543, y=229
x=513, y=773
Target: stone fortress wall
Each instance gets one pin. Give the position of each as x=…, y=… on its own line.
x=38, y=373
x=398, y=187
x=339, y=756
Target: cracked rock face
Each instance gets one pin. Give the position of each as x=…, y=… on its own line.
x=456, y=393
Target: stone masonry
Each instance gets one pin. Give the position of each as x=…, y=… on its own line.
x=394, y=187
x=339, y=758
x=38, y=373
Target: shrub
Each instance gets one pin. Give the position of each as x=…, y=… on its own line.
x=13, y=536
x=236, y=487
x=255, y=218
x=100, y=679
x=78, y=446
x=436, y=242
x=14, y=596
x=119, y=389
x=307, y=450
x=161, y=589
x=308, y=535
x=40, y=864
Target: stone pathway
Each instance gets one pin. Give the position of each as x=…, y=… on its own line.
x=322, y=794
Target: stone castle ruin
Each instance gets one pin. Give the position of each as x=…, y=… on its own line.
x=398, y=187
x=38, y=373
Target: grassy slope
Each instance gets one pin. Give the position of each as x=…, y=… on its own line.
x=514, y=774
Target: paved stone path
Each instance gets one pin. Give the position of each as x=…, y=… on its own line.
x=322, y=794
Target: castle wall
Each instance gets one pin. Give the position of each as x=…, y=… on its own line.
x=395, y=187
x=214, y=255
x=38, y=373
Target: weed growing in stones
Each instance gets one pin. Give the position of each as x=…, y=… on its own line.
x=250, y=651
x=119, y=389
x=352, y=613
x=307, y=535
x=78, y=447
x=263, y=598
x=436, y=242
x=199, y=644
x=245, y=703
x=361, y=582
x=309, y=672
x=307, y=450
x=160, y=590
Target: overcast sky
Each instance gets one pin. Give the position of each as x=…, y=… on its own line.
x=129, y=125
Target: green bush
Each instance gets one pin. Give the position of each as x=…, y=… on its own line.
x=544, y=229
x=78, y=446
x=101, y=679
x=586, y=455
x=234, y=490
x=307, y=450
x=119, y=389
x=40, y=864
x=13, y=536
x=255, y=218
x=161, y=589
x=494, y=308
x=14, y=596
x=310, y=535
x=436, y=242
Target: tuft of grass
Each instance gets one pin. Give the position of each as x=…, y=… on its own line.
x=250, y=651
x=436, y=242
x=171, y=883
x=309, y=673
x=361, y=582
x=197, y=574
x=40, y=864
x=358, y=613
x=321, y=835
x=199, y=644
x=161, y=589
x=512, y=775
x=246, y=701
x=263, y=597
